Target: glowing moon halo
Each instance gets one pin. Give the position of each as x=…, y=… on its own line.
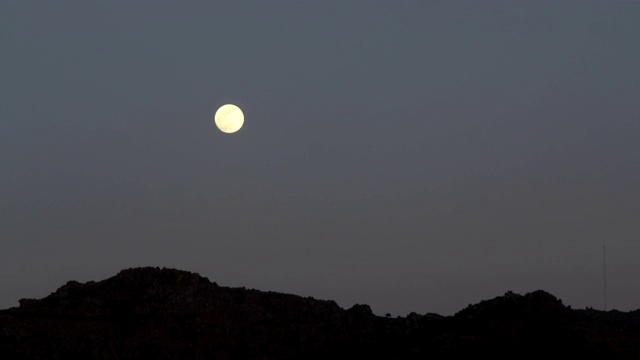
x=229, y=118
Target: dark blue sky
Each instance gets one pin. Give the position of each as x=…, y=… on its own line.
x=412, y=155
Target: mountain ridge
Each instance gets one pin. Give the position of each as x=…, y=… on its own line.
x=162, y=313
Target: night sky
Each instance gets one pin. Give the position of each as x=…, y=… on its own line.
x=411, y=155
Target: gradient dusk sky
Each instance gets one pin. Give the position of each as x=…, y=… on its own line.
x=411, y=155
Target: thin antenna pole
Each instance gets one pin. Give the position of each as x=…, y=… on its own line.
x=604, y=273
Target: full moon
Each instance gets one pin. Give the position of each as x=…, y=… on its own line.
x=229, y=118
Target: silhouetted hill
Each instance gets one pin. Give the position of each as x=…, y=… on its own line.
x=152, y=313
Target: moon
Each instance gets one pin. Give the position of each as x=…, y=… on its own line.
x=229, y=118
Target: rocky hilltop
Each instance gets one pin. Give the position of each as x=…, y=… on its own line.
x=153, y=313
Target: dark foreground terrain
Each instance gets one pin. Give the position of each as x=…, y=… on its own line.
x=152, y=313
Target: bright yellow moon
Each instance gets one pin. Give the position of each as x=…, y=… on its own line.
x=229, y=118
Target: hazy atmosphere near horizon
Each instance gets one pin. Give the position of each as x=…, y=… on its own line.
x=411, y=155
